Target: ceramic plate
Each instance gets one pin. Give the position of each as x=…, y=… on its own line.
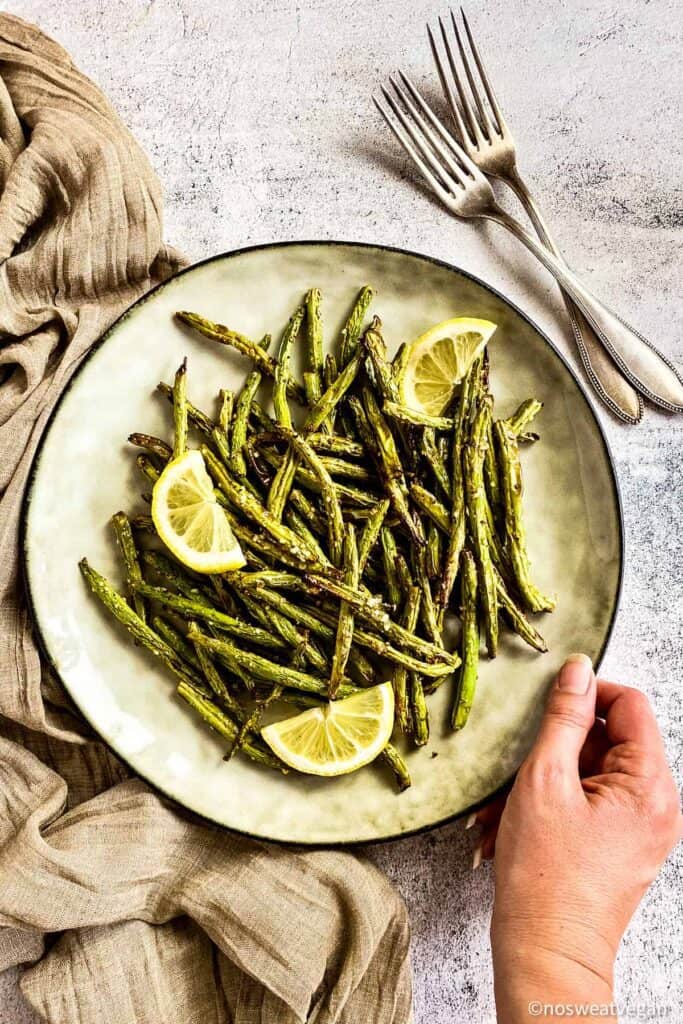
x=85, y=471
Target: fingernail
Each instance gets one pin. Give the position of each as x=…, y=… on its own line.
x=471, y=820
x=576, y=674
x=476, y=859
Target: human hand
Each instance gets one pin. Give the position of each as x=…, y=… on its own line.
x=592, y=815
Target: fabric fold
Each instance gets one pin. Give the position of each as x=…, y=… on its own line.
x=146, y=913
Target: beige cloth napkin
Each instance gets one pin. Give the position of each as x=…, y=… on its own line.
x=127, y=909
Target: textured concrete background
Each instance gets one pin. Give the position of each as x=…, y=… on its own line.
x=257, y=117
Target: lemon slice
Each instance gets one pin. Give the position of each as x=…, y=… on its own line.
x=338, y=738
x=436, y=362
x=190, y=521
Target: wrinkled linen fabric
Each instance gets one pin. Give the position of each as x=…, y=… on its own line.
x=125, y=909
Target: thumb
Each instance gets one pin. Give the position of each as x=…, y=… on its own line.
x=569, y=715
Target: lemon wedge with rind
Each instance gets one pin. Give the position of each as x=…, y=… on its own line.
x=436, y=362
x=336, y=738
x=190, y=521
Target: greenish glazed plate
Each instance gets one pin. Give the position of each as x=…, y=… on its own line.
x=84, y=472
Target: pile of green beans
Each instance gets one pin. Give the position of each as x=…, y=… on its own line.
x=363, y=524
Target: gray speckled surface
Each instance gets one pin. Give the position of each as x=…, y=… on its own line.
x=257, y=118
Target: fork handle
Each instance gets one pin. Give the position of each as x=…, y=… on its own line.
x=608, y=382
x=640, y=362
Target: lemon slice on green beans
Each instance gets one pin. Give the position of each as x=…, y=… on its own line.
x=336, y=738
x=190, y=521
x=436, y=362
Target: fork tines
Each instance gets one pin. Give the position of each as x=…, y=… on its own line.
x=447, y=161
x=444, y=164
x=475, y=126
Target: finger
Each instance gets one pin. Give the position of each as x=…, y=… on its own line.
x=594, y=750
x=629, y=717
x=490, y=812
x=487, y=846
x=569, y=715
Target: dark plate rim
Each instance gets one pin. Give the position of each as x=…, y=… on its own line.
x=26, y=504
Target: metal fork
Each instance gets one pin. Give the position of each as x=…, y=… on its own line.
x=466, y=192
